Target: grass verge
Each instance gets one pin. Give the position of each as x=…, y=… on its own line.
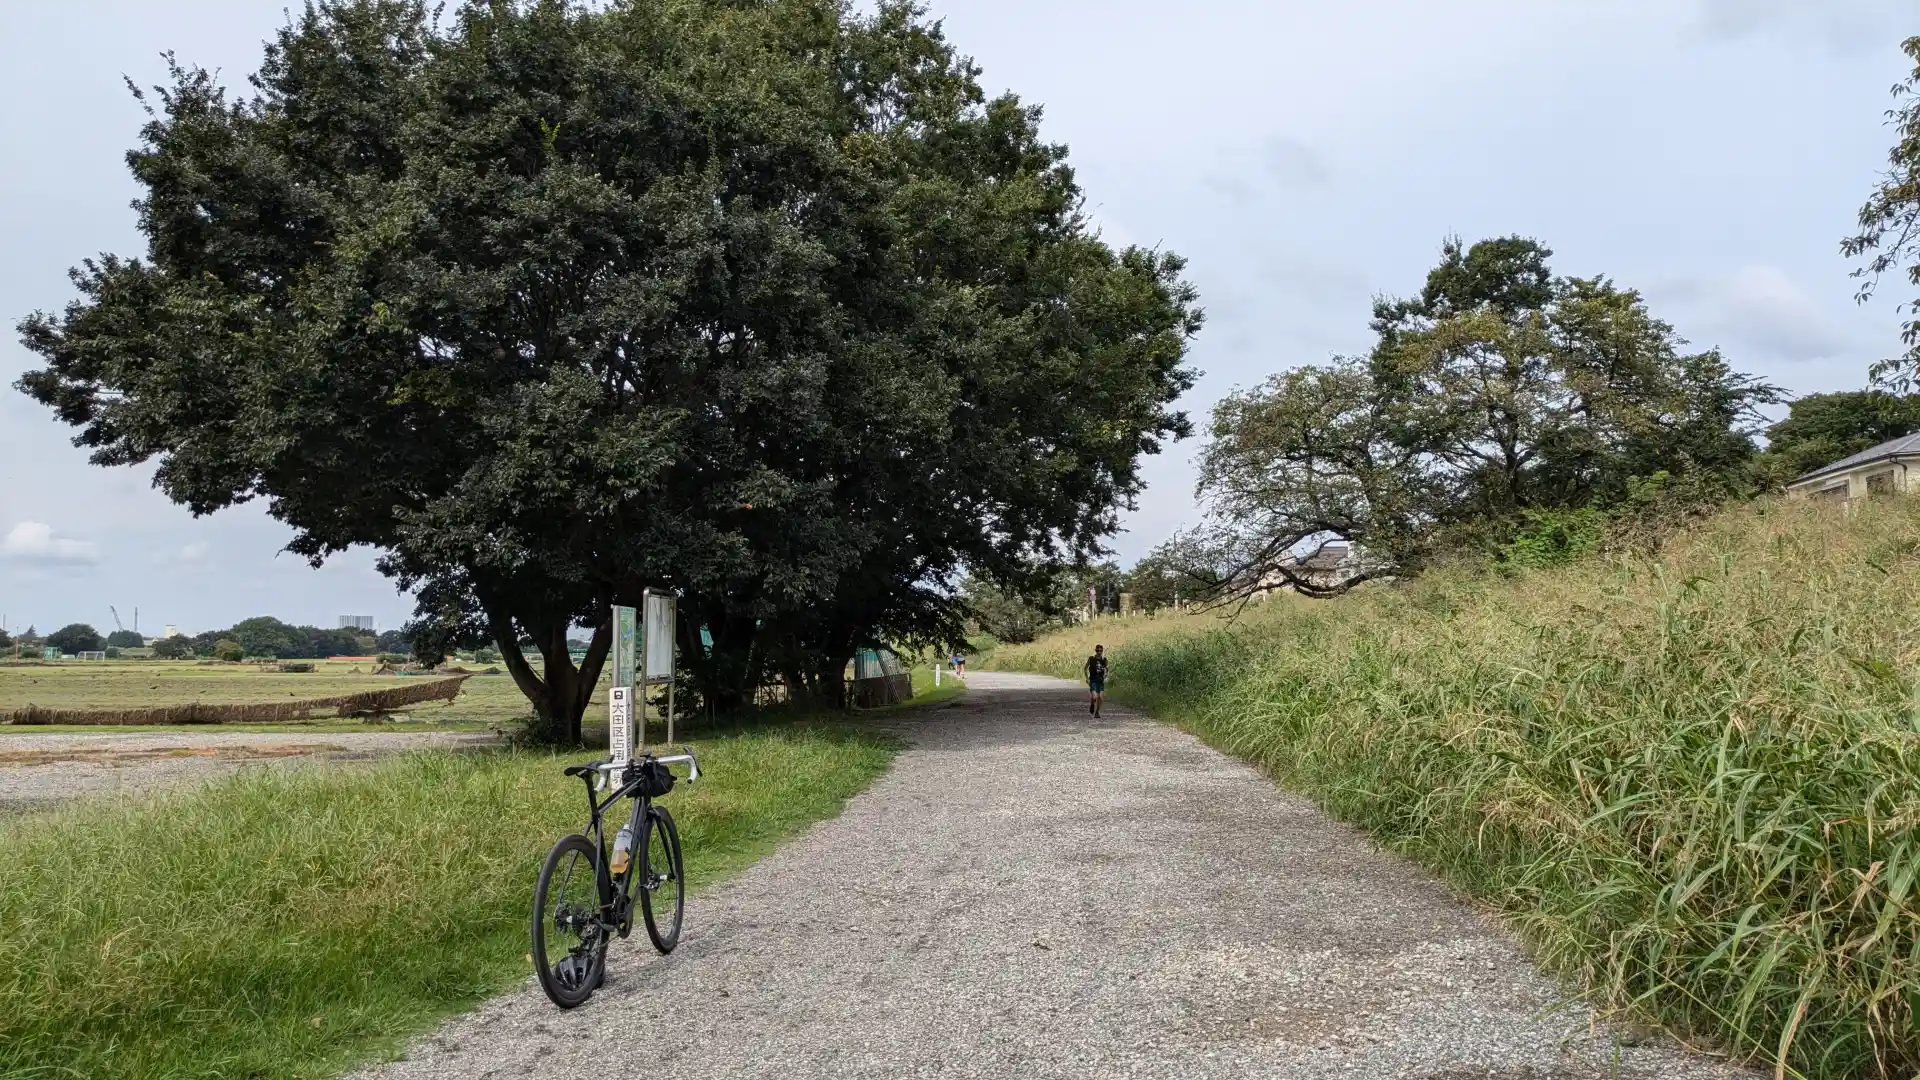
x=1691, y=783
x=289, y=924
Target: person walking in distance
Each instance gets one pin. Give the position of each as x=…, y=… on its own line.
x=1096, y=679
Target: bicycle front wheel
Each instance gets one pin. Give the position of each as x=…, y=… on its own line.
x=663, y=893
x=569, y=943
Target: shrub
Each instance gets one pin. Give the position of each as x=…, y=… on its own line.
x=229, y=650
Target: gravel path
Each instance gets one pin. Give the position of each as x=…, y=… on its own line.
x=44, y=768
x=1031, y=893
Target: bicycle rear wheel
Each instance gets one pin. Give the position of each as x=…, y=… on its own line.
x=569, y=944
x=663, y=893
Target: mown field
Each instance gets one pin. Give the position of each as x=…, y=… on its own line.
x=290, y=924
x=484, y=700
x=1691, y=782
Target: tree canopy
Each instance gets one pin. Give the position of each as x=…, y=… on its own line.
x=76, y=638
x=1820, y=429
x=1500, y=390
x=766, y=303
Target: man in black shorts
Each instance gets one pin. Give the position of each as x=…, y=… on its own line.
x=1096, y=669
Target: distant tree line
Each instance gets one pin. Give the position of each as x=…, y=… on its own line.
x=262, y=636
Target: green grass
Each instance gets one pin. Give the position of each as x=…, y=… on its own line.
x=1691, y=783
x=289, y=924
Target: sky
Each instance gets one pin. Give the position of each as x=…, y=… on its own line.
x=1304, y=156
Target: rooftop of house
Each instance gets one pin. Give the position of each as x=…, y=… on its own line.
x=1904, y=445
x=1325, y=557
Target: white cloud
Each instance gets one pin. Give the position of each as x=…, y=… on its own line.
x=1759, y=308
x=1844, y=25
x=34, y=542
x=1293, y=163
x=193, y=554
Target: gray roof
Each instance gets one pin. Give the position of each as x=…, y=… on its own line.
x=1329, y=556
x=1905, y=444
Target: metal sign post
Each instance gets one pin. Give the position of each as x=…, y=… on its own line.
x=620, y=697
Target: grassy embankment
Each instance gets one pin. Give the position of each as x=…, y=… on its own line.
x=287, y=924
x=1691, y=783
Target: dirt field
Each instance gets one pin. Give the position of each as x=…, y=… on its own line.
x=40, y=768
x=485, y=700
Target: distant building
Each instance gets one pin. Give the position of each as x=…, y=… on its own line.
x=170, y=631
x=1328, y=565
x=356, y=622
x=1893, y=466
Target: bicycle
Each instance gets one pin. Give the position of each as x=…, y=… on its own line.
x=594, y=900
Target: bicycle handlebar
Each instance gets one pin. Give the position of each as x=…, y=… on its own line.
x=604, y=770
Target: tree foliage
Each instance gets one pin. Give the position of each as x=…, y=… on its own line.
x=1820, y=429
x=1498, y=392
x=264, y=635
x=1888, y=240
x=75, y=638
x=126, y=639
x=1044, y=599
x=768, y=303
x=178, y=647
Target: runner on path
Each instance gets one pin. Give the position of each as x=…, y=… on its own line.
x=1096, y=670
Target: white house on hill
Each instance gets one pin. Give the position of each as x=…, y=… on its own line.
x=1877, y=470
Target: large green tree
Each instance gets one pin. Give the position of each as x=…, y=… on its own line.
x=1820, y=429
x=1888, y=236
x=552, y=303
x=1501, y=389
x=76, y=638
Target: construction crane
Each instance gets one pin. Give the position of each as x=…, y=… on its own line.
x=116, y=618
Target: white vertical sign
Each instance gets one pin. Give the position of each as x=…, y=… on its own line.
x=620, y=724
x=658, y=639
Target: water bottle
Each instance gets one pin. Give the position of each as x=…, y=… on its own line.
x=622, y=850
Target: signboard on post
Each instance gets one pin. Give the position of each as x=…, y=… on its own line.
x=659, y=636
x=625, y=645
x=659, y=644
x=620, y=698
x=620, y=725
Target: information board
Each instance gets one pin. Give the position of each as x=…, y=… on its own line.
x=620, y=697
x=659, y=636
x=625, y=645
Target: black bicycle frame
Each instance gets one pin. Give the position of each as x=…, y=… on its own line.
x=596, y=811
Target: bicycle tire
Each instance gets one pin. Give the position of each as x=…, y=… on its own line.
x=663, y=891
x=571, y=978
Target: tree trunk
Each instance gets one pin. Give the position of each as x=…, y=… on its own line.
x=559, y=692
x=831, y=687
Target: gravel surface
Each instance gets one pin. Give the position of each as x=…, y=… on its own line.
x=1032, y=893
x=39, y=769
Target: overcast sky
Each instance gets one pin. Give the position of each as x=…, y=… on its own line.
x=1304, y=155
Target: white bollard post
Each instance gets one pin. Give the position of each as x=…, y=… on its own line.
x=936, y=675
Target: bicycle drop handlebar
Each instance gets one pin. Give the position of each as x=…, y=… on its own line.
x=604, y=770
